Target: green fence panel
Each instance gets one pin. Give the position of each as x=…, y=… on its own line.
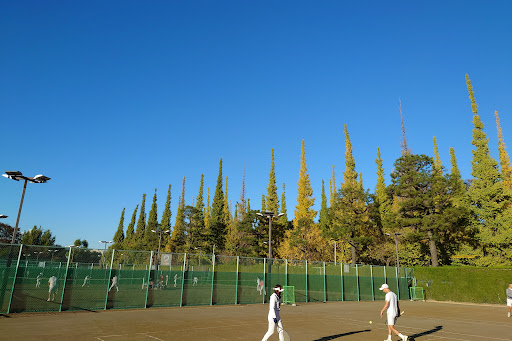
x=197, y=289
x=31, y=290
x=350, y=283
x=333, y=281
x=297, y=278
x=316, y=279
x=378, y=280
x=8, y=266
x=391, y=279
x=251, y=280
x=168, y=274
x=365, y=282
x=225, y=281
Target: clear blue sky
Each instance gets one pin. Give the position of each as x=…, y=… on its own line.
x=112, y=99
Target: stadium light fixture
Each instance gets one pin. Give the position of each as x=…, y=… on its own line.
x=3, y=216
x=17, y=176
x=396, y=234
x=270, y=215
x=159, y=231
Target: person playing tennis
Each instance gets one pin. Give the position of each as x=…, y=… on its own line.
x=114, y=283
x=509, y=298
x=393, y=312
x=273, y=314
x=52, y=288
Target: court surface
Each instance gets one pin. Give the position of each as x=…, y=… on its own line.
x=343, y=321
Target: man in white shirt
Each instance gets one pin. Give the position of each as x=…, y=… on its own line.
x=393, y=312
x=273, y=314
x=509, y=298
x=38, y=279
x=114, y=283
x=52, y=287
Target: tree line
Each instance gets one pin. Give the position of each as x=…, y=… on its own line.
x=437, y=217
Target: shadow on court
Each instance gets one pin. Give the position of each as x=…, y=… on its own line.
x=332, y=337
x=427, y=332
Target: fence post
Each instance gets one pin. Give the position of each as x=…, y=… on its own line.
x=357, y=278
x=397, y=283
x=306, y=280
x=236, y=285
x=14, y=280
x=149, y=278
x=65, y=278
x=264, y=277
x=325, y=288
x=286, y=272
x=108, y=279
x=213, y=278
x=341, y=272
x=385, y=277
x=373, y=285
x=183, y=278
x=407, y=283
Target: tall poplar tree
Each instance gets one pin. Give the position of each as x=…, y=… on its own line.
x=305, y=199
x=151, y=238
x=217, y=219
x=272, y=200
x=165, y=223
x=332, y=187
x=506, y=169
x=130, y=233
x=488, y=200
x=119, y=236
x=284, y=218
x=138, y=240
x=324, y=211
x=178, y=240
x=227, y=211
x=242, y=203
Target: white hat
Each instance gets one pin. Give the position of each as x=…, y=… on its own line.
x=384, y=286
x=278, y=289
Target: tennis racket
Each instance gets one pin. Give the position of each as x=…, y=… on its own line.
x=401, y=314
x=286, y=336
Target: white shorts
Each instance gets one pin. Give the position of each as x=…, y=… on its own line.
x=53, y=289
x=509, y=302
x=392, y=320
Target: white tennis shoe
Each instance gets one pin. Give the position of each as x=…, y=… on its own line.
x=405, y=338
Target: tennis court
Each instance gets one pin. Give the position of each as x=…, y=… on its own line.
x=345, y=321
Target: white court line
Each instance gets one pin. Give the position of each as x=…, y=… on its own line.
x=153, y=337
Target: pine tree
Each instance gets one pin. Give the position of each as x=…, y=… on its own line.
x=242, y=203
x=151, y=238
x=506, y=169
x=405, y=147
x=178, y=239
x=217, y=220
x=207, y=211
x=332, y=187
x=437, y=160
x=488, y=200
x=272, y=200
x=138, y=240
x=263, y=203
x=119, y=236
x=130, y=233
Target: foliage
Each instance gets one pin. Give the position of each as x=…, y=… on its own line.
x=37, y=236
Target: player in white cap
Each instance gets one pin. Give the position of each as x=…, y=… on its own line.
x=393, y=312
x=273, y=314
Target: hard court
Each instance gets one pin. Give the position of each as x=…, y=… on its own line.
x=343, y=321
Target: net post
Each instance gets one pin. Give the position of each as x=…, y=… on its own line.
x=149, y=276
x=373, y=284
x=397, y=283
x=183, y=278
x=341, y=278
x=306, y=261
x=264, y=276
x=325, y=288
x=14, y=280
x=236, y=284
x=108, y=279
x=213, y=278
x=65, y=278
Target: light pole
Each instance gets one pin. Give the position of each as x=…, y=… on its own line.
x=53, y=252
x=396, y=234
x=159, y=231
x=16, y=175
x=270, y=215
x=105, y=250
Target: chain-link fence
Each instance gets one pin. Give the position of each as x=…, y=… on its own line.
x=41, y=278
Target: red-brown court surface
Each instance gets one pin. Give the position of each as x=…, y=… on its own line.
x=341, y=321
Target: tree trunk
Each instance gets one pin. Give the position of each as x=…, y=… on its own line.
x=433, y=249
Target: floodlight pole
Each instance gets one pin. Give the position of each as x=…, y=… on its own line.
x=396, y=234
x=270, y=215
x=159, y=231
x=19, y=213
